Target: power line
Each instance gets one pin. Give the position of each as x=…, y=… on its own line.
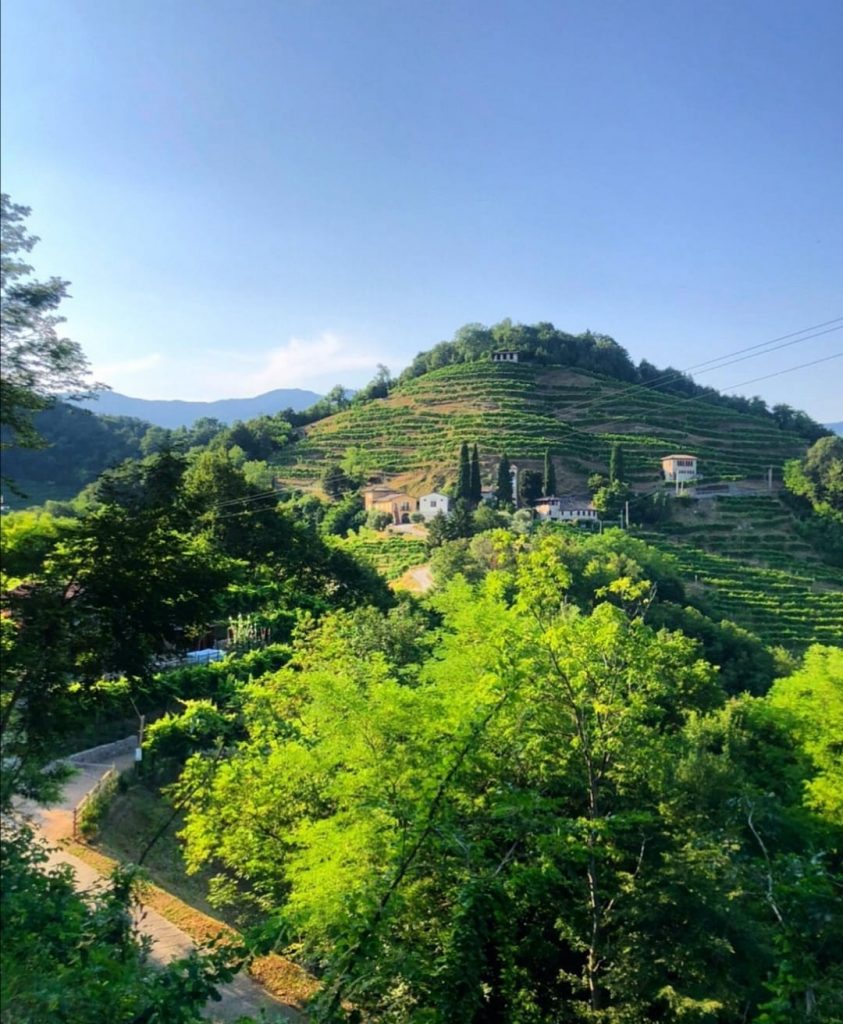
x=775, y=348
x=782, y=337
x=769, y=376
x=672, y=376
x=677, y=401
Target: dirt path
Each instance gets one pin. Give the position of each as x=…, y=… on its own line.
x=422, y=577
x=242, y=996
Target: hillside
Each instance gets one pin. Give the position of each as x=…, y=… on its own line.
x=750, y=558
x=177, y=413
x=526, y=409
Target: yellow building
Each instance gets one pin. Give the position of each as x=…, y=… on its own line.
x=383, y=498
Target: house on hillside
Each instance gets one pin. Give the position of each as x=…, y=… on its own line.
x=383, y=498
x=502, y=355
x=566, y=509
x=679, y=469
x=432, y=504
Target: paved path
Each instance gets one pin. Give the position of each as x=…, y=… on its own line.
x=242, y=996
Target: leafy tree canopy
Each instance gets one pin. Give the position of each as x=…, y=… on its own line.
x=818, y=477
x=553, y=815
x=36, y=364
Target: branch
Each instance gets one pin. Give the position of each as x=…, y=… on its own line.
x=760, y=841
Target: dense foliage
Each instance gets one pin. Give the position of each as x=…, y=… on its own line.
x=539, y=813
x=818, y=478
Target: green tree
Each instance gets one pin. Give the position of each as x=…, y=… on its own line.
x=346, y=514
x=503, y=489
x=529, y=486
x=549, y=477
x=617, y=473
x=812, y=698
x=610, y=500
x=476, y=488
x=334, y=481
x=556, y=817
x=464, y=475
x=818, y=477
x=36, y=364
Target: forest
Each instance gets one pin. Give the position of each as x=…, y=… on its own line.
x=559, y=785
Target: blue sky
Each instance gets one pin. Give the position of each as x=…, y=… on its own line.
x=275, y=193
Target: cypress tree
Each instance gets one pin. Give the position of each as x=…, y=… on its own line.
x=476, y=486
x=464, y=476
x=549, y=482
x=616, y=470
x=503, y=491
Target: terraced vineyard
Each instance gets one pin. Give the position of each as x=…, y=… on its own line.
x=391, y=555
x=525, y=409
x=754, y=530
x=790, y=608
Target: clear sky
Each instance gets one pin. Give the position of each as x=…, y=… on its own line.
x=249, y=194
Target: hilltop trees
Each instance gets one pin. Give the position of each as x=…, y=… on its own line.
x=335, y=483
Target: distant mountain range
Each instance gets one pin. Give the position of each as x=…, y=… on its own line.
x=177, y=413
x=836, y=427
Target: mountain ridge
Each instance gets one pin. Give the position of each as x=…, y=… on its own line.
x=173, y=413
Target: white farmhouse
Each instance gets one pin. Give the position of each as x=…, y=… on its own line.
x=504, y=356
x=566, y=509
x=432, y=504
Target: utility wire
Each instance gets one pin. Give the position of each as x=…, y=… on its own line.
x=677, y=401
x=768, y=376
x=672, y=376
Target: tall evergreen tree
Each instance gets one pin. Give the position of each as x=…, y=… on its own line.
x=503, y=491
x=616, y=468
x=549, y=482
x=529, y=486
x=476, y=486
x=464, y=477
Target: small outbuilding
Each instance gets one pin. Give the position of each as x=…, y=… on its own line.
x=679, y=469
x=432, y=504
x=503, y=355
